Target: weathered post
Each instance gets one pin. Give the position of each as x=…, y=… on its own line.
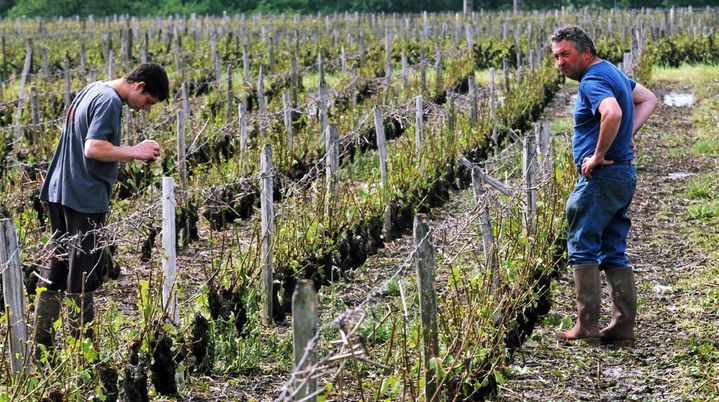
x=34, y=106
x=268, y=228
x=473, y=102
x=21, y=92
x=230, y=95
x=425, y=264
x=13, y=293
x=418, y=125
x=332, y=164
x=242, y=122
x=382, y=147
x=262, y=105
x=493, y=111
x=287, y=113
x=482, y=198
x=169, y=254
x=305, y=322
x=530, y=182
x=66, y=76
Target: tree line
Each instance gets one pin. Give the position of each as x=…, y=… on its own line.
x=66, y=8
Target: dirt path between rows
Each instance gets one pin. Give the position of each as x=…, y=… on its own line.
x=663, y=258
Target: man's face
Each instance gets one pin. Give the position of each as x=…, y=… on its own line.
x=139, y=100
x=571, y=62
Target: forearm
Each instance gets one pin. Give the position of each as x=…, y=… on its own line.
x=608, y=129
x=642, y=111
x=105, y=151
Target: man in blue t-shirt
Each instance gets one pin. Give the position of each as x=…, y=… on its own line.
x=609, y=111
x=77, y=190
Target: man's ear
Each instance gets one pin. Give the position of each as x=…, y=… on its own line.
x=139, y=86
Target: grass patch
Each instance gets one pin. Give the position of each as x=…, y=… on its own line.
x=702, y=187
x=686, y=73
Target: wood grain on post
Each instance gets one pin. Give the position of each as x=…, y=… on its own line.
x=485, y=225
x=169, y=250
x=262, y=105
x=242, y=122
x=305, y=322
x=473, y=101
x=530, y=182
x=287, y=113
x=425, y=267
x=68, y=84
x=332, y=164
x=268, y=228
x=34, y=106
x=418, y=125
x=21, y=92
x=230, y=95
x=13, y=293
x=382, y=146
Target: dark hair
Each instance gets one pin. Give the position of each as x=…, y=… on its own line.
x=579, y=38
x=154, y=77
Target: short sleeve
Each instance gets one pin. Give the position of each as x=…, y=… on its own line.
x=104, y=119
x=596, y=90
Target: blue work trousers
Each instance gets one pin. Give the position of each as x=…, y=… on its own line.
x=597, y=216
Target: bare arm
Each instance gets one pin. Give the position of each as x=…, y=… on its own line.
x=644, y=103
x=608, y=128
x=105, y=151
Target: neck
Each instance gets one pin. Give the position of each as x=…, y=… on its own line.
x=121, y=86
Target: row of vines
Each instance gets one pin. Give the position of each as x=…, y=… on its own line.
x=241, y=82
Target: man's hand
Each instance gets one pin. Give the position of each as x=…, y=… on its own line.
x=147, y=150
x=588, y=164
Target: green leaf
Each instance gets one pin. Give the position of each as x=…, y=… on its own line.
x=499, y=377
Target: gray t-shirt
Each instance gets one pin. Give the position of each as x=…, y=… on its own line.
x=73, y=180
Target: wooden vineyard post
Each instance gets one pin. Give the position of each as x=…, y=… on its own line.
x=493, y=110
x=169, y=250
x=21, y=93
x=110, y=72
x=530, y=182
x=382, y=146
x=68, y=85
x=322, y=99
x=287, y=113
x=544, y=139
x=246, y=61
x=439, y=83
x=419, y=126
x=304, y=328
x=262, y=105
x=185, y=100
x=355, y=78
x=485, y=225
x=423, y=73
x=268, y=228
x=13, y=293
x=425, y=264
x=474, y=100
x=242, y=121
x=35, y=107
x=230, y=96
x=405, y=72
x=332, y=164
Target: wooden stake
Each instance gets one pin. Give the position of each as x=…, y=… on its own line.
x=268, y=228
x=13, y=293
x=425, y=267
x=305, y=322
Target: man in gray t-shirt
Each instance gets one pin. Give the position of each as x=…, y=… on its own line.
x=78, y=187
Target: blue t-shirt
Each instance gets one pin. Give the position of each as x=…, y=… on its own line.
x=73, y=180
x=602, y=81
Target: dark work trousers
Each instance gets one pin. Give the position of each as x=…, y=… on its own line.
x=76, y=264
